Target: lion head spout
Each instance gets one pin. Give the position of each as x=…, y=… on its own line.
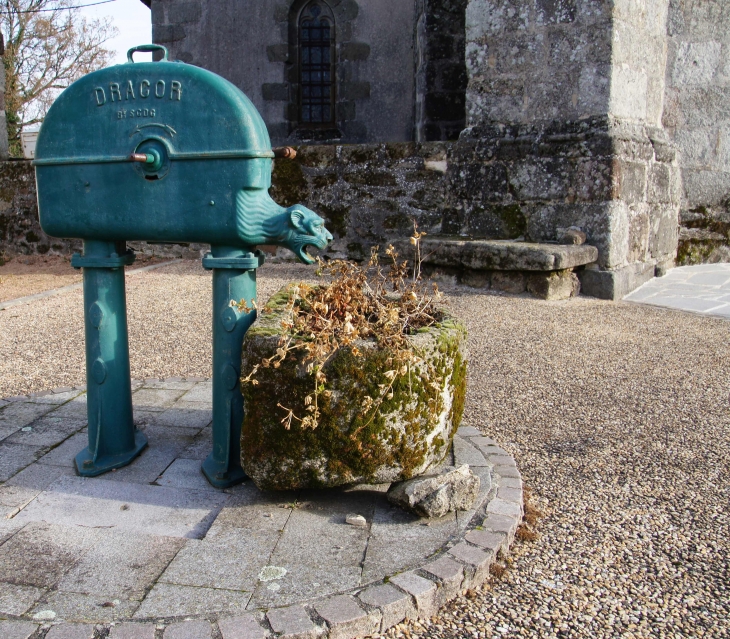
x=260, y=220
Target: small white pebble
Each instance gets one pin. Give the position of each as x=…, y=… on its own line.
x=356, y=520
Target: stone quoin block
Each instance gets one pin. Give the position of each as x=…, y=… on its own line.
x=394, y=605
x=422, y=590
x=450, y=575
x=346, y=619
x=477, y=563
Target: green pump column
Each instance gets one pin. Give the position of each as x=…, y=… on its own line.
x=234, y=279
x=113, y=440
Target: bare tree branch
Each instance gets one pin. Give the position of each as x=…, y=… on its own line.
x=44, y=53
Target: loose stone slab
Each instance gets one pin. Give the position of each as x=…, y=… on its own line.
x=150, y=510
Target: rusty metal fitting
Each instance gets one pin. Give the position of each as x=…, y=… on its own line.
x=285, y=152
x=140, y=157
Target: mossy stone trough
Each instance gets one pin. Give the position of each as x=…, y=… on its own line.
x=406, y=436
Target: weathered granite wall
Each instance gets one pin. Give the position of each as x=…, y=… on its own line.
x=20, y=230
x=440, y=69
x=697, y=117
x=563, y=129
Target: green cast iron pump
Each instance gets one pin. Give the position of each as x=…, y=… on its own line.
x=162, y=152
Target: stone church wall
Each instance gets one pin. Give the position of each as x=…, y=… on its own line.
x=249, y=44
x=697, y=117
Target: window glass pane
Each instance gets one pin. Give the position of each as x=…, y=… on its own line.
x=316, y=37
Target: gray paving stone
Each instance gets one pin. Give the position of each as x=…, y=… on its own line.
x=149, y=510
x=292, y=622
x=502, y=460
x=9, y=528
x=231, y=560
x=17, y=415
x=132, y=631
x=200, y=447
x=41, y=553
x=17, y=600
x=17, y=629
x=75, y=409
x=15, y=457
x=394, y=605
x=121, y=564
x=185, y=473
x=465, y=453
x=400, y=540
x=85, y=608
x=202, y=392
x=423, y=591
x=185, y=418
x=3, y=404
x=488, y=540
x=502, y=507
x=333, y=564
x=493, y=450
x=155, y=399
x=163, y=447
x=38, y=477
x=506, y=471
x=243, y=627
x=513, y=495
x=169, y=384
x=346, y=618
x=13, y=496
x=63, y=455
x=477, y=563
x=48, y=430
x=254, y=511
x=189, y=630
x=71, y=631
x=483, y=441
x=169, y=600
x=56, y=398
x=468, y=431
x=684, y=303
x=716, y=279
x=501, y=524
x=450, y=574
x=511, y=482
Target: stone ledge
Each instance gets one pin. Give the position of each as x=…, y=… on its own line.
x=504, y=255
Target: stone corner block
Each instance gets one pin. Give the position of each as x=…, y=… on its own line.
x=504, y=524
x=477, y=563
x=293, y=622
x=346, y=619
x=450, y=574
x=422, y=590
x=243, y=627
x=394, y=605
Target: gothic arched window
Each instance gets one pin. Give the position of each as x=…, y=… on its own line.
x=316, y=64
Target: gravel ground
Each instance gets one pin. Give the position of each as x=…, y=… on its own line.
x=617, y=415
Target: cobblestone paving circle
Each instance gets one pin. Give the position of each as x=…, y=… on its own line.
x=67, y=543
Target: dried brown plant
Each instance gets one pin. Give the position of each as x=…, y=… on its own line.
x=377, y=302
